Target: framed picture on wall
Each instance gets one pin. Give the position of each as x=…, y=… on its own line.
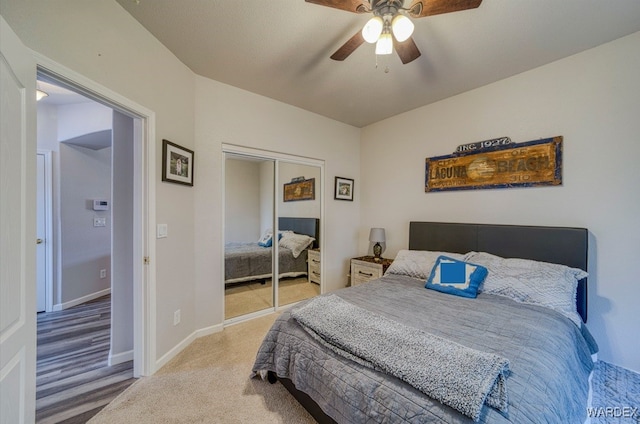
x=177, y=163
x=300, y=190
x=344, y=189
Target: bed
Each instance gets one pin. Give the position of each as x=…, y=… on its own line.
x=549, y=355
x=251, y=261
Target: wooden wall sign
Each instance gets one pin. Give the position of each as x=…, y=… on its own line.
x=301, y=190
x=530, y=164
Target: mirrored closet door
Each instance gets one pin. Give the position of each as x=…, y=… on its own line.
x=298, y=200
x=273, y=213
x=249, y=188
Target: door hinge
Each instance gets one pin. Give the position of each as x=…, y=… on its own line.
x=146, y=260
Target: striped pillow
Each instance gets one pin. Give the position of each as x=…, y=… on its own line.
x=417, y=263
x=540, y=283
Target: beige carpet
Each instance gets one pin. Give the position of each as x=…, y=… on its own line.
x=244, y=298
x=209, y=382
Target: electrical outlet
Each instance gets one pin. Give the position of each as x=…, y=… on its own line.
x=103, y=273
x=176, y=317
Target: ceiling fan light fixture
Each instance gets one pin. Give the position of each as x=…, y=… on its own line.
x=372, y=30
x=384, y=44
x=402, y=27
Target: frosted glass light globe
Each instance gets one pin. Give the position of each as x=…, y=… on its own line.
x=402, y=28
x=372, y=30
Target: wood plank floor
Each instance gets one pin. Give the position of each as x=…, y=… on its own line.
x=73, y=380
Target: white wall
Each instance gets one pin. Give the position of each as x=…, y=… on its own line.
x=267, y=169
x=83, y=118
x=242, y=201
x=225, y=114
x=85, y=174
x=592, y=99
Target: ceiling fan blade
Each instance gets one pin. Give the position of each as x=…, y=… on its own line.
x=422, y=8
x=407, y=50
x=347, y=48
x=355, y=6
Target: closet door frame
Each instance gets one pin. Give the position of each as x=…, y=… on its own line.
x=277, y=158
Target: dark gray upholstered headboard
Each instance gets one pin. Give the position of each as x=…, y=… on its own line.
x=308, y=226
x=561, y=245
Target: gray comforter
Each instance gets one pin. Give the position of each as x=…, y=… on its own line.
x=250, y=261
x=456, y=375
x=549, y=358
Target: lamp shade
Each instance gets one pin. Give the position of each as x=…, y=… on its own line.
x=377, y=235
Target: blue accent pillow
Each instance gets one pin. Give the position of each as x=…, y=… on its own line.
x=266, y=240
x=456, y=277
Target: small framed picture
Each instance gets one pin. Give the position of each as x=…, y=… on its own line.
x=177, y=163
x=344, y=189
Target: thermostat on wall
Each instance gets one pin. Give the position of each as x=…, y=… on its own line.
x=100, y=205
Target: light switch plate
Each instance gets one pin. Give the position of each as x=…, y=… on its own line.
x=162, y=231
x=99, y=221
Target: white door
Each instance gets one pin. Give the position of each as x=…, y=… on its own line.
x=41, y=238
x=17, y=230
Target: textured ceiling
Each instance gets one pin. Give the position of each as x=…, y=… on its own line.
x=280, y=48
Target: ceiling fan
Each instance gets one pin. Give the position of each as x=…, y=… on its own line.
x=390, y=27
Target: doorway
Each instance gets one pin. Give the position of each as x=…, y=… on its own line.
x=118, y=211
x=77, y=133
x=273, y=215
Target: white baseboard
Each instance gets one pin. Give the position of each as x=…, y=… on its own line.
x=248, y=317
x=80, y=300
x=209, y=330
x=186, y=342
x=118, y=358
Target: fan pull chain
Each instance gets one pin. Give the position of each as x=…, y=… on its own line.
x=386, y=68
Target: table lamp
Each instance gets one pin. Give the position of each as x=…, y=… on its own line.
x=377, y=236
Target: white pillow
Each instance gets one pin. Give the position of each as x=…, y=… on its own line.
x=296, y=242
x=417, y=263
x=540, y=283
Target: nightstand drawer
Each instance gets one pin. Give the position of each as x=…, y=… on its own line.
x=361, y=272
x=314, y=276
x=313, y=262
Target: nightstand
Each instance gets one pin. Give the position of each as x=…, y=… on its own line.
x=365, y=268
x=313, y=264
